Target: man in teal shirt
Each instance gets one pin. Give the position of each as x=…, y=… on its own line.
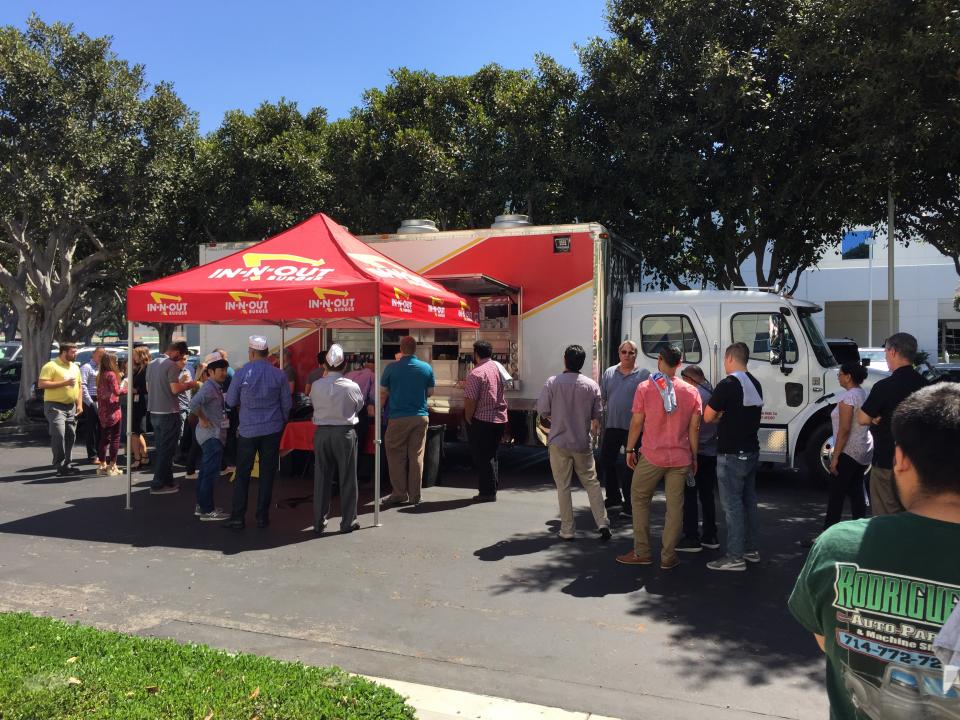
x=405, y=386
x=876, y=592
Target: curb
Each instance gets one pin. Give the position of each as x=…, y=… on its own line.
x=28, y=429
x=433, y=703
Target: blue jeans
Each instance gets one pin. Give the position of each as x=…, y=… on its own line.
x=737, y=478
x=209, y=472
x=268, y=446
x=166, y=434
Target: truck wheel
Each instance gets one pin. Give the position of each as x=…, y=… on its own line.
x=816, y=455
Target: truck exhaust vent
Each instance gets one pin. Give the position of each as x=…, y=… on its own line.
x=509, y=221
x=411, y=227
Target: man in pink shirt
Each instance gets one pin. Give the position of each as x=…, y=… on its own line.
x=667, y=411
x=485, y=412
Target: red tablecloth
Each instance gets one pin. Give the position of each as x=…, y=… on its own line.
x=297, y=435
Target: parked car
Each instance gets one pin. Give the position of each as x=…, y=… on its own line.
x=9, y=383
x=10, y=350
x=877, y=357
x=943, y=372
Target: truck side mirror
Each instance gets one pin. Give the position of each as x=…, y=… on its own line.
x=778, y=344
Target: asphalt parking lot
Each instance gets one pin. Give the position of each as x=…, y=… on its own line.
x=482, y=598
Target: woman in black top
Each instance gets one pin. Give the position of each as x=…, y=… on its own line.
x=138, y=442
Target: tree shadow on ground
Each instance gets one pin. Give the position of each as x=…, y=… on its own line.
x=168, y=520
x=720, y=623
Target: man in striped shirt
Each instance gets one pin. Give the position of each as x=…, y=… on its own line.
x=485, y=412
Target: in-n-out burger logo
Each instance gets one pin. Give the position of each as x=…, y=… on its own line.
x=274, y=267
x=436, y=307
x=401, y=301
x=332, y=301
x=247, y=303
x=170, y=305
x=385, y=268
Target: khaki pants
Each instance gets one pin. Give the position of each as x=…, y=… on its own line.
x=646, y=476
x=405, y=441
x=563, y=462
x=884, y=499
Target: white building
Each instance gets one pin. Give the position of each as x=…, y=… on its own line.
x=925, y=284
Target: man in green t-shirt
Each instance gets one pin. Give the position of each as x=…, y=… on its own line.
x=876, y=592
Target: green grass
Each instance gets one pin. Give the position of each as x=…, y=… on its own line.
x=50, y=670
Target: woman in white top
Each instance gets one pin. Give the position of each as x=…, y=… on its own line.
x=853, y=446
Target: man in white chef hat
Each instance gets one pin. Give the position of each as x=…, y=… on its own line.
x=337, y=404
x=261, y=392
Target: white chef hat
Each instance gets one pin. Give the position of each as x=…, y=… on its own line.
x=334, y=355
x=257, y=342
x=215, y=360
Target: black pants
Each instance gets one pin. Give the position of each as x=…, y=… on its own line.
x=705, y=492
x=268, y=446
x=484, y=438
x=90, y=422
x=614, y=472
x=195, y=455
x=847, y=483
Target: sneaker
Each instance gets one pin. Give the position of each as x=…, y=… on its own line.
x=165, y=490
x=567, y=538
x=689, y=545
x=605, y=534
x=214, y=515
x=627, y=511
x=392, y=500
x=355, y=525
x=197, y=512
x=728, y=563
x=191, y=476
x=711, y=542
x=631, y=558
x=752, y=556
x=669, y=564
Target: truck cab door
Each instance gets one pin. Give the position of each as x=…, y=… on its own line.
x=779, y=359
x=657, y=325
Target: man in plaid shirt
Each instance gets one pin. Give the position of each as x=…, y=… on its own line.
x=485, y=412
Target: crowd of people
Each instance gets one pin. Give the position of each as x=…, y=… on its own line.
x=895, y=449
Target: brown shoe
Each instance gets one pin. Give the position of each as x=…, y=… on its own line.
x=669, y=564
x=631, y=558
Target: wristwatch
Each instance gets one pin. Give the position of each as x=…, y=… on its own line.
x=635, y=451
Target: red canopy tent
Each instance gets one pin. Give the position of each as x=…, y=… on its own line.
x=316, y=274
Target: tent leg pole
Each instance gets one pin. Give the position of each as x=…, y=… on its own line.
x=283, y=354
x=129, y=413
x=378, y=441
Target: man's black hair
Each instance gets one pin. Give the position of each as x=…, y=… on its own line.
x=181, y=347
x=483, y=349
x=926, y=427
x=672, y=355
x=573, y=357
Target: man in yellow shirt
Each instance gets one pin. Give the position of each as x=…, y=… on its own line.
x=60, y=382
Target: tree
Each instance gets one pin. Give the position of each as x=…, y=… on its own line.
x=258, y=174
x=457, y=149
x=712, y=149
x=81, y=171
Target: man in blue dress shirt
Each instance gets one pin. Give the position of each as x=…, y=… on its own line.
x=261, y=392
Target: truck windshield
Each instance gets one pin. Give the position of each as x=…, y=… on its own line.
x=819, y=345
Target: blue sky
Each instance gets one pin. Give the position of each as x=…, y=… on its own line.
x=227, y=55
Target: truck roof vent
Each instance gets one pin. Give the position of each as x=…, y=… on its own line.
x=411, y=227
x=509, y=221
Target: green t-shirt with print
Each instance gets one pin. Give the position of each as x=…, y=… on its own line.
x=879, y=590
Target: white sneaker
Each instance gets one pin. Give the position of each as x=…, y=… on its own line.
x=752, y=556
x=728, y=563
x=214, y=515
x=191, y=476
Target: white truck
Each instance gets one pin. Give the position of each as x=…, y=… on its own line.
x=541, y=288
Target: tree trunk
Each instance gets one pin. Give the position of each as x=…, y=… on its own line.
x=37, y=334
x=165, y=335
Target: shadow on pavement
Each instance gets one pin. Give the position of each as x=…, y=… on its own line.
x=721, y=623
